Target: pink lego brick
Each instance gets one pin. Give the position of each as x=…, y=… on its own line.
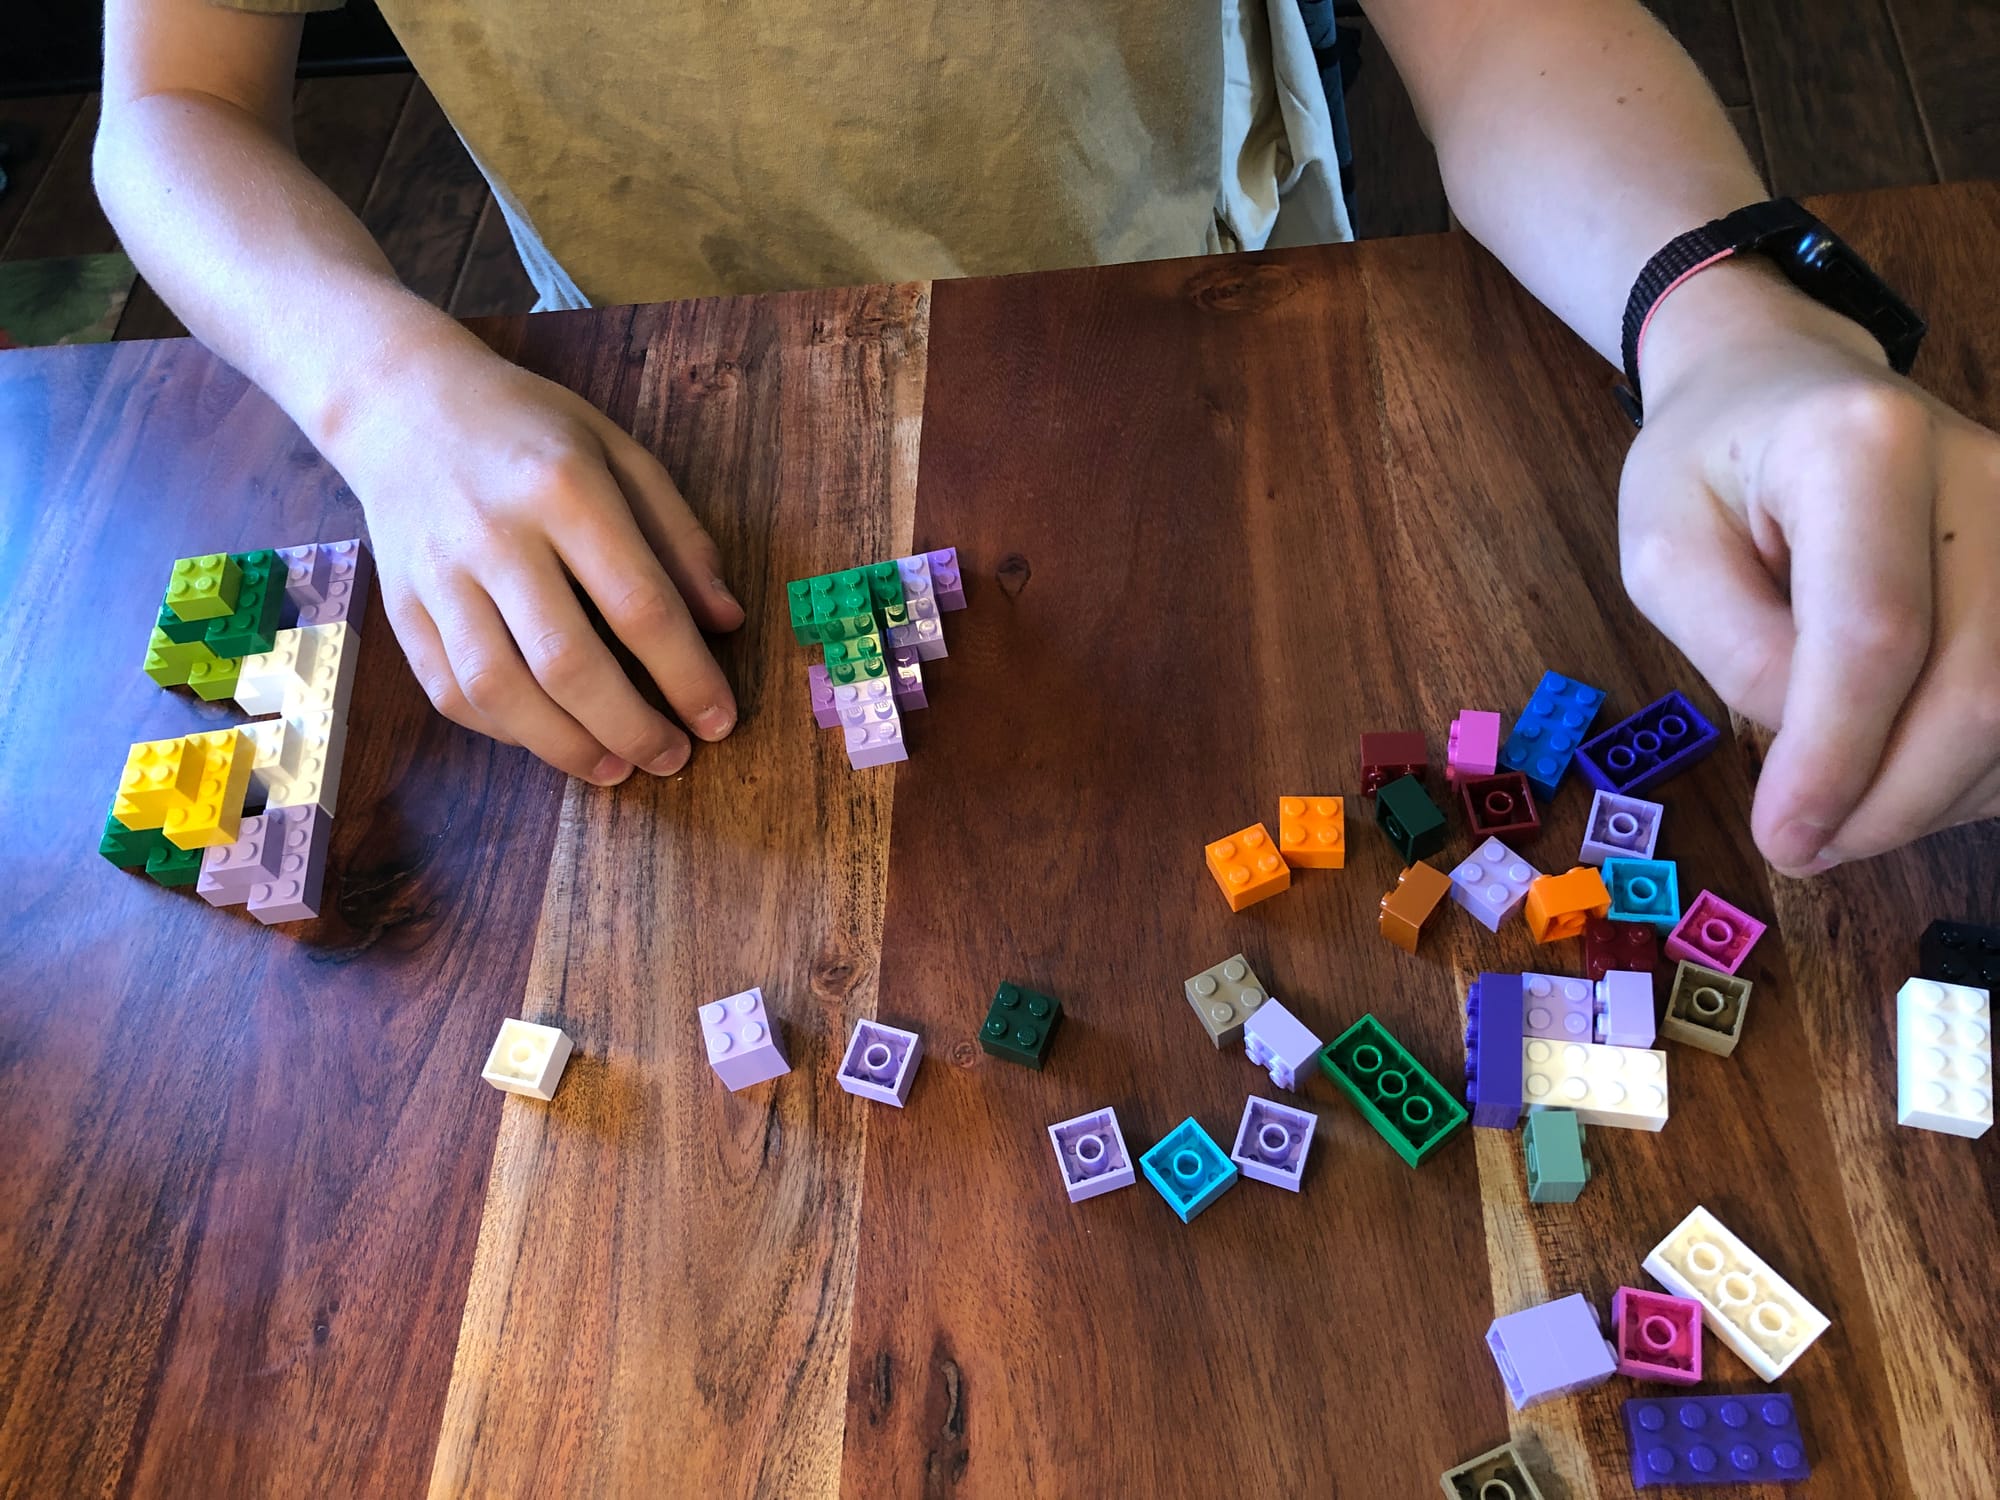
x=1272, y=1142
x=1561, y=1009
x=1472, y=747
x=1657, y=1337
x=742, y=1042
x=819, y=689
x=881, y=1062
x=1492, y=882
x=229, y=872
x=1277, y=1040
x=292, y=895
x=1091, y=1155
x=1624, y=1008
x=872, y=725
x=1620, y=827
x=945, y=582
x=906, y=678
x=350, y=571
x=1715, y=934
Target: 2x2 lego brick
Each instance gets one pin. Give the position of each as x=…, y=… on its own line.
x=1279, y=1042
x=1553, y=1349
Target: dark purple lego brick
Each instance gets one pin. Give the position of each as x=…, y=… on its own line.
x=1750, y=1439
x=1493, y=1050
x=1661, y=740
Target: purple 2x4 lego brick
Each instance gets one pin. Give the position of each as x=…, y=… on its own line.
x=1493, y=1050
x=1661, y=740
x=1550, y=1350
x=1750, y=1439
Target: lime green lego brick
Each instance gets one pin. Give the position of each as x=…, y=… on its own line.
x=215, y=680
x=180, y=632
x=204, y=588
x=171, y=866
x=1394, y=1092
x=169, y=662
x=254, y=625
x=129, y=848
x=885, y=584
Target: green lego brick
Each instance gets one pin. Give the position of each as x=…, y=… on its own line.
x=1393, y=1091
x=798, y=604
x=1404, y=811
x=128, y=848
x=215, y=680
x=180, y=632
x=254, y=625
x=885, y=584
x=858, y=660
x=849, y=628
x=1020, y=1025
x=1552, y=1145
x=169, y=662
x=837, y=596
x=171, y=866
x=204, y=588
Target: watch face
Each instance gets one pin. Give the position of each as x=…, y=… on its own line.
x=1815, y=248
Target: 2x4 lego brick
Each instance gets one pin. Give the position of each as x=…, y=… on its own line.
x=1493, y=1016
x=1944, y=1058
x=1735, y=1440
x=1746, y=1304
x=1622, y=1087
x=1661, y=740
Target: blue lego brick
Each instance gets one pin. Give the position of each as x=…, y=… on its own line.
x=1752, y=1439
x=1661, y=740
x=1645, y=891
x=1493, y=1008
x=1189, y=1169
x=1546, y=736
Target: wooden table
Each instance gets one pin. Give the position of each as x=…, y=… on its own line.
x=263, y=1231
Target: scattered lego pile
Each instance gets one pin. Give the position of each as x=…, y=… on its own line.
x=244, y=814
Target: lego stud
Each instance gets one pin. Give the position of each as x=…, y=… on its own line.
x=1656, y=1333
x=1769, y=1319
x=1707, y=1001
x=1499, y=803
x=1089, y=1150
x=1716, y=932
x=1704, y=1259
x=1624, y=826
x=1187, y=1166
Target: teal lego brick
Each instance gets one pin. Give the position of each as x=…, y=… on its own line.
x=171, y=866
x=1021, y=1025
x=1646, y=891
x=1552, y=1147
x=180, y=632
x=1413, y=823
x=259, y=600
x=129, y=848
x=1394, y=1092
x=1189, y=1169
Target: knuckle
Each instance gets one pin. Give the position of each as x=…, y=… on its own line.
x=1874, y=412
x=487, y=683
x=1884, y=635
x=645, y=609
x=560, y=659
x=1647, y=564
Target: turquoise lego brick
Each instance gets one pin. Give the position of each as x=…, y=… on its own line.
x=1646, y=891
x=1546, y=736
x=1189, y=1169
x=259, y=600
x=1552, y=1146
x=1394, y=1092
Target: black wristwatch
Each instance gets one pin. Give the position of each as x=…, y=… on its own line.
x=1814, y=259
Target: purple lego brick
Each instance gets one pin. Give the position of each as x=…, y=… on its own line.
x=871, y=724
x=923, y=633
x=742, y=1042
x=1492, y=883
x=308, y=570
x=1713, y=933
x=1619, y=828
x=350, y=570
x=1272, y=1142
x=906, y=678
x=229, y=872
x=1472, y=745
x=1557, y=1007
x=1624, y=1009
x=1657, y=1336
x=1691, y=1439
x=1550, y=1350
x=945, y=582
x=881, y=1062
x=1661, y=740
x=292, y=894
x=1091, y=1155
x=1493, y=1050
x=917, y=589
x=819, y=688
x=1276, y=1039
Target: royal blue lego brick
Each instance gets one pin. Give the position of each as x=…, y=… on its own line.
x=1493, y=1050
x=1189, y=1169
x=1739, y=1440
x=1661, y=740
x=1551, y=1350
x=1551, y=727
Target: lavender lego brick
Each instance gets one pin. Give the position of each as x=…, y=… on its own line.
x=906, y=678
x=742, y=1043
x=1545, y=738
x=1091, y=1155
x=945, y=582
x=1689, y=1439
x=350, y=572
x=924, y=635
x=819, y=689
x=229, y=872
x=881, y=1062
x=871, y=724
x=1277, y=1040
x=1557, y=1007
x=308, y=570
x=1714, y=934
x=1472, y=745
x=1493, y=1050
x=1492, y=882
x=1660, y=741
x=1623, y=1003
x=292, y=894
x=916, y=575
x=1551, y=1350
x=1272, y=1142
x=1620, y=828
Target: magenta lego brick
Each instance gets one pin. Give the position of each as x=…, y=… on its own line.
x=1472, y=745
x=1620, y=828
x=881, y=1062
x=1689, y=1439
x=906, y=678
x=1660, y=741
x=1545, y=738
x=1493, y=1050
x=742, y=1043
x=1550, y=1350
x=1715, y=934
x=1492, y=882
x=1658, y=1337
x=945, y=581
x=1278, y=1041
x=1609, y=945
x=229, y=872
x=1272, y=1142
x=819, y=691
x=1624, y=1008
x=1557, y=1007
x=292, y=894
x=1091, y=1155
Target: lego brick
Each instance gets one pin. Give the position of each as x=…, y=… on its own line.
x=1272, y=1141
x=1714, y=933
x=1500, y=806
x=350, y=573
x=173, y=867
x=158, y=777
x=309, y=668
x=1554, y=1349
x=1312, y=832
x=1493, y=1011
x=881, y=1062
x=213, y=681
x=204, y=588
x=303, y=834
x=819, y=695
x=1658, y=1337
x=1546, y=736
x=308, y=571
x=527, y=1059
x=1498, y=1474
x=1188, y=1169
x=1646, y=891
x=212, y=814
x=923, y=636
x=1660, y=741
x=1278, y=1041
x=1621, y=1087
x=1091, y=1155
x=885, y=585
x=1390, y=755
x=253, y=625
x=1619, y=828
x=915, y=573
x=799, y=612
x=856, y=660
x=1224, y=997
x=872, y=728
x=743, y=1045
x=1394, y=1092
x=1622, y=1009
x=1248, y=867
x=1944, y=1058
x=168, y=662
x=906, y=678
x=1743, y=1301
x=299, y=764
x=1021, y=1025
x=1705, y=1009
x=1409, y=819
x=1557, y=1007
x=1609, y=945
x=1404, y=910
x=229, y=872
x=945, y=581
x=1552, y=1151
x=180, y=632
x=1960, y=953
x=1558, y=905
x=1492, y=882
x=1472, y=747
x=1689, y=1440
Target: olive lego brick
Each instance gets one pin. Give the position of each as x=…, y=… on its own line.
x=1224, y=997
x=1021, y=1025
x=1394, y=1092
x=1706, y=1009
x=1498, y=1474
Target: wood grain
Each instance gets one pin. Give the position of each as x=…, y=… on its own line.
x=60, y=215
x=1952, y=54
x=34, y=130
x=1707, y=28
x=425, y=199
x=1397, y=186
x=492, y=282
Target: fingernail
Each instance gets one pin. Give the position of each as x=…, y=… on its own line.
x=611, y=770
x=716, y=583
x=713, y=722
x=1797, y=843
x=668, y=762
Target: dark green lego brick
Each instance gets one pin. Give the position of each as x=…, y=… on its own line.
x=254, y=625
x=180, y=632
x=215, y=680
x=129, y=848
x=885, y=584
x=858, y=660
x=171, y=866
x=1414, y=824
x=1394, y=1092
x=1020, y=1025
x=1552, y=1145
x=798, y=606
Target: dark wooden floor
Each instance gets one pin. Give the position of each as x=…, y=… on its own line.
x=1831, y=96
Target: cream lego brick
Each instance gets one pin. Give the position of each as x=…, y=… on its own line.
x=1746, y=1304
x=307, y=768
x=1944, y=1058
x=527, y=1059
x=1625, y=1087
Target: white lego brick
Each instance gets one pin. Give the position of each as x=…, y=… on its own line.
x=1746, y=1304
x=527, y=1059
x=1624, y=1087
x=1944, y=1058
x=266, y=679
x=308, y=767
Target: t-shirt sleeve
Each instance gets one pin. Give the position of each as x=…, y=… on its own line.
x=278, y=7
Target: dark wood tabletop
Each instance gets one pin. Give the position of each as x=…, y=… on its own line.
x=264, y=1231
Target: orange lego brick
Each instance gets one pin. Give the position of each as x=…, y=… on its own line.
x=1312, y=832
x=1248, y=867
x=1559, y=904
x=1406, y=908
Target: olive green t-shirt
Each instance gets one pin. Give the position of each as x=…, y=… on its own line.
x=644, y=151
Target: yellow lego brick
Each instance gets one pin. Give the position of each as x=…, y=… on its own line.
x=204, y=588
x=217, y=809
x=159, y=777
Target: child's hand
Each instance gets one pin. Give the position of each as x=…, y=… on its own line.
x=488, y=490
x=1822, y=539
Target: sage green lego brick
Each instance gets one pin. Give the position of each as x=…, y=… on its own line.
x=1394, y=1092
x=204, y=588
x=253, y=627
x=1224, y=997
x=168, y=662
x=1413, y=823
x=1021, y=1025
x=129, y=848
x=215, y=680
x=1706, y=1008
x=177, y=630
x=171, y=866
x=1552, y=1146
